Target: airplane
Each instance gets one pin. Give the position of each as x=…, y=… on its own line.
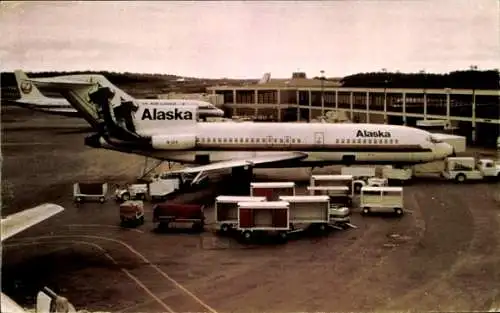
x=173, y=134
x=47, y=300
x=33, y=99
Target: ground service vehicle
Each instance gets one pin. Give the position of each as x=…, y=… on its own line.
x=272, y=190
x=381, y=199
x=339, y=195
x=310, y=210
x=263, y=217
x=167, y=213
x=226, y=210
x=90, y=191
x=133, y=191
x=363, y=176
x=332, y=180
x=467, y=168
x=132, y=213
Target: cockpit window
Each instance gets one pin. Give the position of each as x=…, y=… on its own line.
x=434, y=139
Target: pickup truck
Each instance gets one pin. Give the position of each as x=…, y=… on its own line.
x=467, y=168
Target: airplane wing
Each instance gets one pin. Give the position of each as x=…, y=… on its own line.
x=16, y=223
x=8, y=305
x=286, y=156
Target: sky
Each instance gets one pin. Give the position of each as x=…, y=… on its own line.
x=246, y=39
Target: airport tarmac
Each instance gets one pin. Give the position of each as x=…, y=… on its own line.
x=443, y=255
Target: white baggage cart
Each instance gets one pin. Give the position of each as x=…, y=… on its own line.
x=381, y=199
x=309, y=210
x=90, y=191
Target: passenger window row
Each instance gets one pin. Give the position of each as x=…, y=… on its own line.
x=247, y=140
x=375, y=141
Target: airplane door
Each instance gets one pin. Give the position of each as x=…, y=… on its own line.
x=269, y=141
x=319, y=138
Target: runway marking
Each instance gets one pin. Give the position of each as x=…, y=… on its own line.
x=137, y=253
x=108, y=226
x=106, y=254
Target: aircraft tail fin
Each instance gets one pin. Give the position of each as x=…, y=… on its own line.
x=76, y=91
x=27, y=89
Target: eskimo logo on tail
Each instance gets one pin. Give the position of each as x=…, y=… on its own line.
x=166, y=115
x=26, y=86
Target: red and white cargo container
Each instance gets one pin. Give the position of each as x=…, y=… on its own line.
x=272, y=190
x=226, y=210
x=266, y=217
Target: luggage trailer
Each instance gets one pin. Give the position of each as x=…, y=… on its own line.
x=272, y=190
x=339, y=195
x=90, y=192
x=226, y=210
x=269, y=217
x=316, y=212
x=332, y=180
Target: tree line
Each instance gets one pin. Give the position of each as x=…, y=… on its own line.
x=469, y=79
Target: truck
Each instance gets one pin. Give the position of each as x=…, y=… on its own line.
x=381, y=199
x=166, y=213
x=226, y=210
x=132, y=192
x=462, y=169
x=363, y=176
x=267, y=217
x=272, y=190
x=90, y=191
x=132, y=213
x=161, y=186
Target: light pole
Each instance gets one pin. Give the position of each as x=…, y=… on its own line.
x=384, y=70
x=322, y=92
x=425, y=93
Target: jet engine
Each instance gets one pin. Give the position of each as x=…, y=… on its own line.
x=173, y=142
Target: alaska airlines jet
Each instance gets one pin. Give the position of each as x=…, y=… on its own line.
x=33, y=99
x=174, y=134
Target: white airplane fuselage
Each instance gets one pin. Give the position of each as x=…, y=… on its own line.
x=324, y=143
x=61, y=106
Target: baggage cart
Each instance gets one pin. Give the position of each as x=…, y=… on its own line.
x=310, y=210
x=167, y=213
x=332, y=180
x=272, y=190
x=90, y=191
x=381, y=199
x=339, y=195
x=132, y=213
x=263, y=217
x=226, y=210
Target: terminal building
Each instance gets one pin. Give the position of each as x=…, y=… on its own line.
x=472, y=113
